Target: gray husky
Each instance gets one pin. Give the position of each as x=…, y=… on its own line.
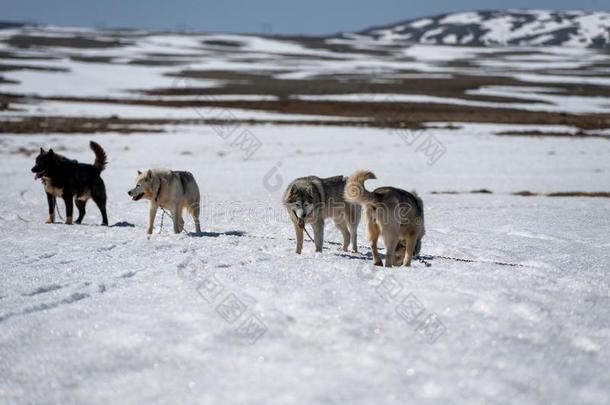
x=394, y=213
x=310, y=200
x=171, y=190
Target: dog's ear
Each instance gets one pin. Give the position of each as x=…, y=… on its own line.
x=139, y=172
x=149, y=174
x=41, y=150
x=51, y=152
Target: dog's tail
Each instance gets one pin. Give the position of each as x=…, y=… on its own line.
x=355, y=191
x=420, y=207
x=100, y=156
x=418, y=201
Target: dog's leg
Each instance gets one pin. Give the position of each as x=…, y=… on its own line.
x=409, y=249
x=152, y=213
x=342, y=226
x=51, y=203
x=417, y=248
x=372, y=233
x=99, y=197
x=352, y=224
x=80, y=204
x=180, y=211
x=298, y=231
x=177, y=216
x=318, y=234
x=390, y=240
x=69, y=201
x=353, y=231
x=194, y=211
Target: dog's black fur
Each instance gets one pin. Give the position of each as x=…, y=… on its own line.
x=71, y=180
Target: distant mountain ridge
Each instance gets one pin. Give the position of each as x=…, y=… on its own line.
x=473, y=28
x=11, y=24
x=501, y=27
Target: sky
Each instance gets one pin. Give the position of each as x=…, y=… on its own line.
x=313, y=17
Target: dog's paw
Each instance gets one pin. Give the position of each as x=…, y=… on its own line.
x=378, y=263
x=49, y=221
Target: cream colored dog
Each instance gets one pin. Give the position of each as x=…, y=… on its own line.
x=395, y=214
x=170, y=190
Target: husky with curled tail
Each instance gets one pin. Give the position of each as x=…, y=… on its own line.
x=395, y=214
x=310, y=200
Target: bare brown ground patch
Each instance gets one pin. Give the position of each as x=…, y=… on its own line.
x=7, y=81
x=92, y=59
x=263, y=82
x=599, y=194
x=542, y=134
x=5, y=67
x=527, y=193
x=72, y=125
x=14, y=55
x=385, y=113
x=479, y=191
x=29, y=40
x=456, y=85
x=77, y=125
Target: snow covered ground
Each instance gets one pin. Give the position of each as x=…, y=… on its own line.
x=513, y=308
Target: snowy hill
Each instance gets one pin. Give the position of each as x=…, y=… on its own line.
x=510, y=27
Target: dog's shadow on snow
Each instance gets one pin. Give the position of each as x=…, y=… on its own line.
x=216, y=234
x=359, y=256
x=369, y=256
x=123, y=224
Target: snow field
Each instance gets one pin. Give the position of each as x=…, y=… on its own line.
x=94, y=314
